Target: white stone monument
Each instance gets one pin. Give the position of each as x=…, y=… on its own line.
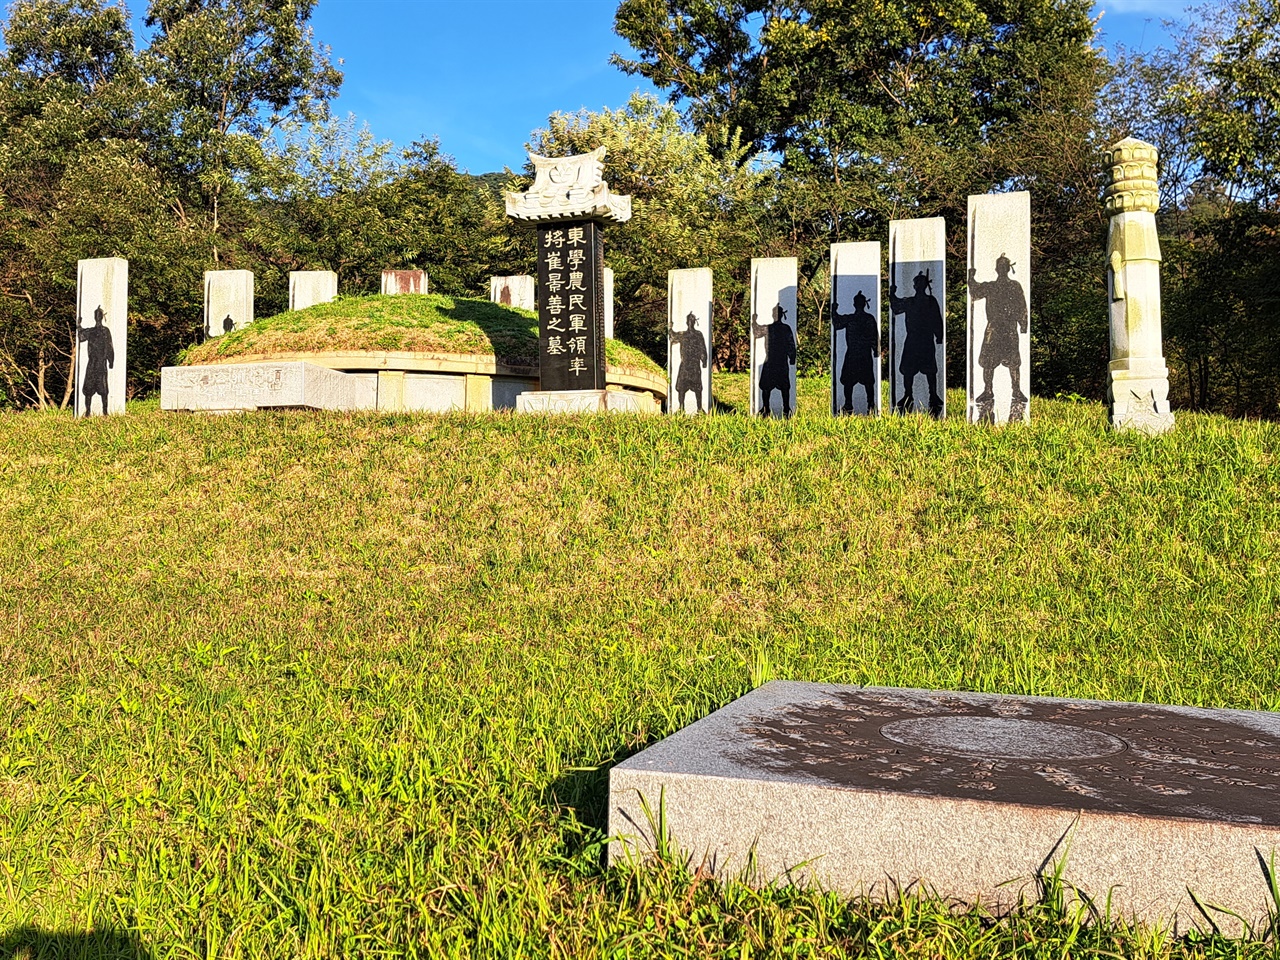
x=513, y=291
x=917, y=316
x=998, y=368
x=1138, y=379
x=689, y=340
x=102, y=324
x=855, y=328
x=773, y=336
x=608, y=303
x=228, y=301
x=309, y=287
x=402, y=281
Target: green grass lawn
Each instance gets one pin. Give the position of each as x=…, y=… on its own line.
x=411, y=321
x=334, y=685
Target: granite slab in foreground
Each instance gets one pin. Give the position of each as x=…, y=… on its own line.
x=862, y=788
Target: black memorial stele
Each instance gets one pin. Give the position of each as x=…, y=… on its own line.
x=571, y=309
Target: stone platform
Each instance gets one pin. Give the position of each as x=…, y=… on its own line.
x=861, y=789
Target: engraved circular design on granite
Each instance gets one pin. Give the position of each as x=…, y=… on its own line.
x=1002, y=737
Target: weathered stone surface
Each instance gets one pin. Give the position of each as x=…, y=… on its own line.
x=689, y=295
x=608, y=303
x=584, y=401
x=228, y=301
x=102, y=324
x=402, y=281
x=251, y=386
x=855, y=328
x=917, y=316
x=971, y=794
x=998, y=371
x=309, y=287
x=513, y=291
x=569, y=188
x=773, y=336
x=1138, y=377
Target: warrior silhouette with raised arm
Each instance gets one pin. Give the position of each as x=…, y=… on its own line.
x=693, y=360
x=1001, y=345
x=924, y=330
x=779, y=356
x=861, y=347
x=100, y=357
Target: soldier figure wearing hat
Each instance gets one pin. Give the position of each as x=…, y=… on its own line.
x=693, y=360
x=924, y=329
x=1001, y=345
x=779, y=355
x=861, y=347
x=101, y=356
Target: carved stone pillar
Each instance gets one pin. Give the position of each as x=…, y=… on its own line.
x=1138, y=379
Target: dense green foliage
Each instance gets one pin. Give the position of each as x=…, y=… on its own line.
x=313, y=685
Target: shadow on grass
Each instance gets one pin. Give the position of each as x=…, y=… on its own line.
x=32, y=943
x=512, y=336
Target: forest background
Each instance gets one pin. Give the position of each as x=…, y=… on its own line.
x=789, y=126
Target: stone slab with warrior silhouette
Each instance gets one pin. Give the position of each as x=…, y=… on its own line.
x=228, y=301
x=855, y=329
x=396, y=282
x=102, y=323
x=513, y=291
x=970, y=794
x=773, y=336
x=689, y=304
x=998, y=367
x=917, y=316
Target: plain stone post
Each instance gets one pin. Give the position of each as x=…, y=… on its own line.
x=773, y=336
x=513, y=291
x=403, y=281
x=1138, y=378
x=998, y=368
x=102, y=324
x=228, y=301
x=855, y=328
x=608, y=303
x=689, y=340
x=309, y=287
x=917, y=317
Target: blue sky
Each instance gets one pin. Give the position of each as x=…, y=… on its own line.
x=483, y=74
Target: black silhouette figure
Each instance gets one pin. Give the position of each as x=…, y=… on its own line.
x=504, y=297
x=861, y=347
x=1006, y=320
x=779, y=356
x=228, y=325
x=101, y=357
x=693, y=360
x=924, y=330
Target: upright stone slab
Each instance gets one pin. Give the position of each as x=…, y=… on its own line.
x=998, y=370
x=513, y=291
x=402, y=281
x=974, y=796
x=608, y=303
x=1138, y=379
x=689, y=340
x=773, y=336
x=309, y=287
x=102, y=324
x=570, y=203
x=917, y=317
x=228, y=301
x=855, y=329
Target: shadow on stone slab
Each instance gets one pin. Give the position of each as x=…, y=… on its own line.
x=32, y=943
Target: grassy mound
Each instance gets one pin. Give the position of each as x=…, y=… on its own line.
x=422, y=322
x=321, y=684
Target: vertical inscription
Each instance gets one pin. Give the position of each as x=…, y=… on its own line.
x=571, y=312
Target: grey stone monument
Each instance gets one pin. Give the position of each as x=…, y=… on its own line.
x=689, y=340
x=570, y=203
x=402, y=281
x=226, y=387
x=773, y=336
x=917, y=316
x=973, y=795
x=608, y=303
x=855, y=329
x=513, y=291
x=1138, y=379
x=309, y=287
x=102, y=324
x=228, y=301
x=998, y=371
